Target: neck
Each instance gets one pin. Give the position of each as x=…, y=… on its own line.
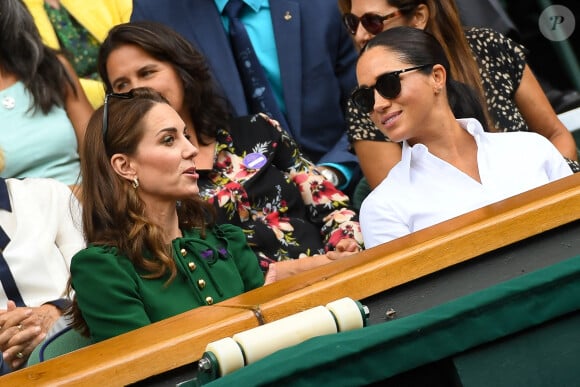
x=6, y=79
x=455, y=146
x=164, y=215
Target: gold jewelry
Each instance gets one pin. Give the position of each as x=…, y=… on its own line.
x=19, y=326
x=19, y=355
x=135, y=182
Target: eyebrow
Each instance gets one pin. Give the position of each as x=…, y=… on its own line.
x=171, y=129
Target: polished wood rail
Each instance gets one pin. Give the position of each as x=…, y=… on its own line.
x=181, y=340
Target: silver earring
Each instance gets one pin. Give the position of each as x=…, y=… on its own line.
x=135, y=182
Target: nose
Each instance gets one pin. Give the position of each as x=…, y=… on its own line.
x=381, y=103
x=362, y=36
x=139, y=83
x=189, y=150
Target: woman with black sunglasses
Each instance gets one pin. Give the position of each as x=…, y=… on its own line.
x=489, y=62
x=449, y=166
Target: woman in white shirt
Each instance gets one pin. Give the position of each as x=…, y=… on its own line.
x=450, y=164
x=40, y=231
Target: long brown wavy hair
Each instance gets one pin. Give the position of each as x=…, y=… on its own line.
x=113, y=213
x=445, y=25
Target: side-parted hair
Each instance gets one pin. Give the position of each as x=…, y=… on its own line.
x=418, y=47
x=113, y=213
x=23, y=54
x=206, y=107
x=112, y=210
x=445, y=25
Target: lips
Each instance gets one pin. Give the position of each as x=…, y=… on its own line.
x=390, y=119
x=191, y=172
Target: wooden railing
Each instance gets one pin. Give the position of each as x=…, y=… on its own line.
x=182, y=339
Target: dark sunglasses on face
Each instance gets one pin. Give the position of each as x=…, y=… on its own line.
x=127, y=95
x=371, y=22
x=388, y=86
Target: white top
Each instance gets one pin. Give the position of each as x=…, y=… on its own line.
x=44, y=227
x=423, y=190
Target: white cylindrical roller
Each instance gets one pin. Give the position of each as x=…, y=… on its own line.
x=228, y=354
x=266, y=339
x=347, y=314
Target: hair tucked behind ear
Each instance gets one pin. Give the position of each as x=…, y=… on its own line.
x=418, y=47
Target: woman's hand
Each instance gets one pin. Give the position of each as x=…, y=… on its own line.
x=344, y=248
x=22, y=329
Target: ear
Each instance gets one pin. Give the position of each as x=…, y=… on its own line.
x=439, y=77
x=122, y=166
x=421, y=17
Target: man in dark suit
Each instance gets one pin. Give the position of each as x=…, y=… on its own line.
x=310, y=65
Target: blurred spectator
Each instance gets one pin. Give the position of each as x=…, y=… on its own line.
x=40, y=231
x=78, y=27
x=43, y=109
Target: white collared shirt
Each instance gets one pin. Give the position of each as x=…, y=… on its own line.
x=423, y=190
x=44, y=227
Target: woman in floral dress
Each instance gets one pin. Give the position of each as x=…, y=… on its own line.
x=250, y=169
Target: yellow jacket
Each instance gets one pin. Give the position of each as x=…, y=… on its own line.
x=97, y=16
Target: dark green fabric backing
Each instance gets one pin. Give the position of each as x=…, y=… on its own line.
x=377, y=352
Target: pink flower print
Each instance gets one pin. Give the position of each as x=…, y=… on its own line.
x=234, y=197
x=224, y=163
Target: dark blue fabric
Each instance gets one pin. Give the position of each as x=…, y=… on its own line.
x=316, y=58
x=258, y=90
x=4, y=368
x=4, y=196
x=8, y=283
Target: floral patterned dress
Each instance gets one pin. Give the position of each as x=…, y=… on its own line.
x=264, y=184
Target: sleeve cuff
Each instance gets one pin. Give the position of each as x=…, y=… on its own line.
x=344, y=170
x=61, y=304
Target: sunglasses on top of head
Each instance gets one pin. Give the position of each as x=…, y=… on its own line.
x=108, y=96
x=388, y=85
x=371, y=22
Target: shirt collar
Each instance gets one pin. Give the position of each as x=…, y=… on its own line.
x=420, y=151
x=471, y=125
x=254, y=4
x=4, y=196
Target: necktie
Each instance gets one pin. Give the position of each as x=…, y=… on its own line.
x=256, y=86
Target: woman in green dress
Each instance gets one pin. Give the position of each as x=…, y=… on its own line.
x=154, y=250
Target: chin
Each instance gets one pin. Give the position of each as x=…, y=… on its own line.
x=390, y=135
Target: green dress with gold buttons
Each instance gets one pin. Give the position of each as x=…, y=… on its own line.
x=114, y=297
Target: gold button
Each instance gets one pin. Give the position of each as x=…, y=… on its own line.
x=183, y=252
x=201, y=284
x=192, y=266
x=209, y=300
